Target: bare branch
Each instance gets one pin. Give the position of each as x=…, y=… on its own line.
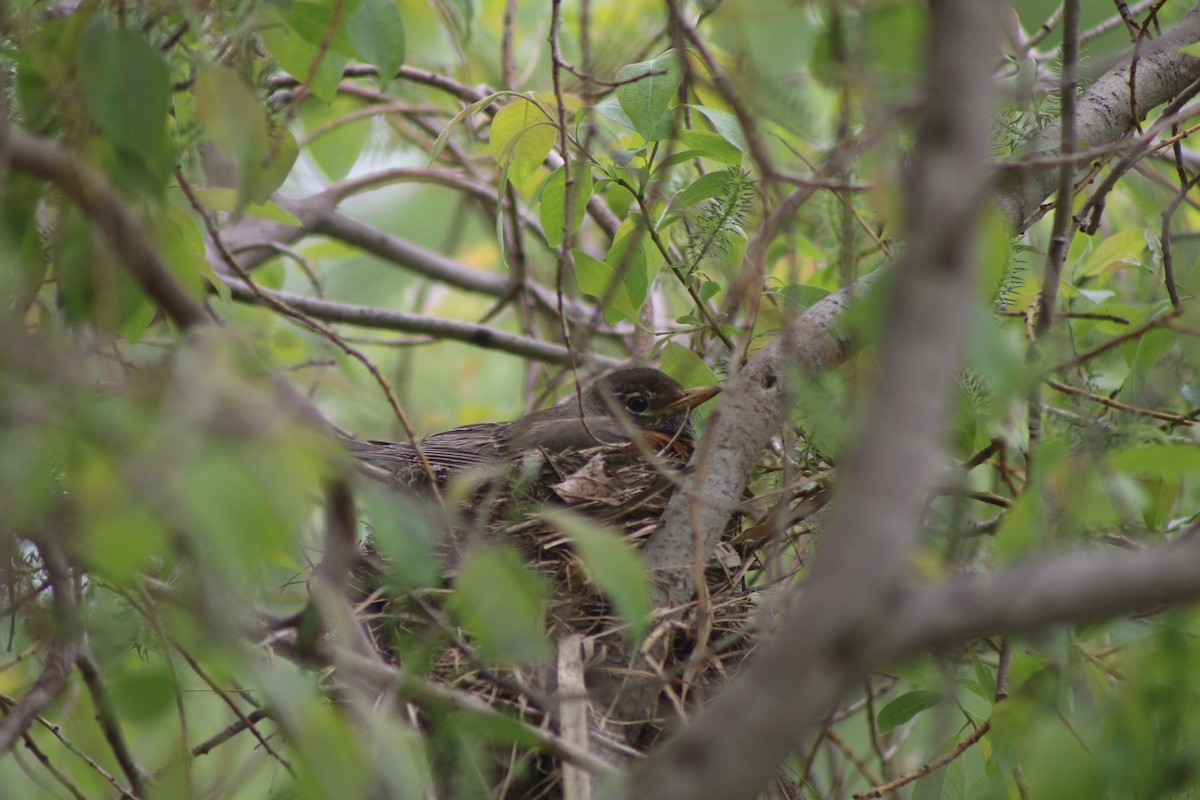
x=826, y=634
x=1104, y=113
x=95, y=196
x=365, y=316
x=60, y=655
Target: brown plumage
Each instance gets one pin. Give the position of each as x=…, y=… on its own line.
x=628, y=401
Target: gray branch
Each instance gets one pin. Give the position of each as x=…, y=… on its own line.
x=1106, y=114
x=484, y=336
x=731, y=749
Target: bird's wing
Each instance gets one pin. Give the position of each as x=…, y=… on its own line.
x=566, y=433
x=455, y=450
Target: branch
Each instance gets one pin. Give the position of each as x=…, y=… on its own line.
x=1078, y=587
x=110, y=723
x=60, y=655
x=1105, y=114
x=732, y=747
x=318, y=215
x=754, y=401
x=479, y=335
x=101, y=204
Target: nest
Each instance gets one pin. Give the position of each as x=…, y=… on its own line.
x=683, y=653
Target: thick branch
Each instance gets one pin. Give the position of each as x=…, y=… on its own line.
x=731, y=749
x=754, y=401
x=61, y=654
x=1081, y=587
x=1105, y=114
x=100, y=203
x=479, y=335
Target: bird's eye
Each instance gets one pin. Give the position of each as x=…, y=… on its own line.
x=637, y=403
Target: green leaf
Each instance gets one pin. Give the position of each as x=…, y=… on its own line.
x=712, y=146
x=1121, y=248
x=896, y=36
x=182, y=247
x=232, y=117
x=235, y=121
x=612, y=565
x=336, y=150
x=686, y=367
x=727, y=127
x=1145, y=355
x=986, y=677
x=225, y=200
x=1023, y=524
x=289, y=48
x=905, y=707
x=1167, y=461
x=402, y=533
x=647, y=91
x=502, y=603
x=610, y=109
x=127, y=91
x=319, y=23
x=599, y=280
x=703, y=188
x=475, y=107
x=522, y=135
x=553, y=204
x=627, y=259
x=376, y=31
x=144, y=693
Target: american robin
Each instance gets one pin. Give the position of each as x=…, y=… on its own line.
x=635, y=401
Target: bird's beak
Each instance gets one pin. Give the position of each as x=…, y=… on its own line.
x=694, y=397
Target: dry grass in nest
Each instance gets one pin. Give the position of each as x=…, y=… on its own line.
x=681, y=655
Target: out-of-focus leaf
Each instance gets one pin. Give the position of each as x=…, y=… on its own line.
x=218, y=199
x=553, y=204
x=1144, y=356
x=286, y=39
x=376, y=31
x=234, y=120
x=612, y=565
x=1166, y=461
x=1191, y=392
x=403, y=535
x=127, y=91
x=336, y=151
x=502, y=603
x=896, y=37
x=182, y=247
x=143, y=693
x=1022, y=525
x=321, y=24
x=646, y=91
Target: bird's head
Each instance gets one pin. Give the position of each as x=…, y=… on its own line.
x=648, y=398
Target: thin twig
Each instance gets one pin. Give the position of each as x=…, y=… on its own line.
x=1119, y=406
x=1060, y=237
x=110, y=723
x=929, y=766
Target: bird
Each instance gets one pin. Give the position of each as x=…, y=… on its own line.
x=638, y=401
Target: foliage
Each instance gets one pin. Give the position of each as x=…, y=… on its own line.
x=396, y=217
